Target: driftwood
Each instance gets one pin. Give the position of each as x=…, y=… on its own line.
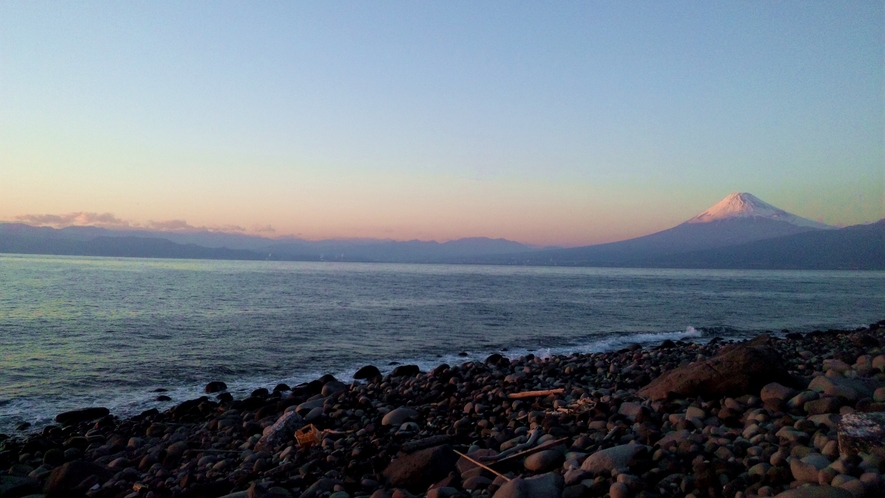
x=540, y=447
x=533, y=438
x=493, y=471
x=535, y=394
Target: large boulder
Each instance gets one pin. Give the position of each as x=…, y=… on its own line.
x=416, y=471
x=740, y=369
x=82, y=415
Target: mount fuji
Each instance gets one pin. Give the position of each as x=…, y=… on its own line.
x=740, y=218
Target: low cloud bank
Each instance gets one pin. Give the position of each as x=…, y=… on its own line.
x=112, y=222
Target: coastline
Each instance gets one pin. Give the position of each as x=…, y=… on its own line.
x=380, y=430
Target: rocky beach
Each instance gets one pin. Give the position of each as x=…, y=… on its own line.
x=786, y=415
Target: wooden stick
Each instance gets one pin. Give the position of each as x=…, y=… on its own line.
x=502, y=476
x=542, y=446
x=535, y=394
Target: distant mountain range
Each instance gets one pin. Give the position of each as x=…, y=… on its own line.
x=741, y=231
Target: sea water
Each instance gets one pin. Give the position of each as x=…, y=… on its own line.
x=78, y=332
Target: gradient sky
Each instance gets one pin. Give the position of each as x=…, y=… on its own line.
x=546, y=123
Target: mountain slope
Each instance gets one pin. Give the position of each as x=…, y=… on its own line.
x=859, y=247
x=737, y=219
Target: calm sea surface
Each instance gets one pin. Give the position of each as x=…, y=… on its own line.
x=78, y=332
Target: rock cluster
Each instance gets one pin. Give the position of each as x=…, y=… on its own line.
x=760, y=418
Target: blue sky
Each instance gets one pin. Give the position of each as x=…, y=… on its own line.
x=564, y=123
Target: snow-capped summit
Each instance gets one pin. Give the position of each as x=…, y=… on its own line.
x=744, y=205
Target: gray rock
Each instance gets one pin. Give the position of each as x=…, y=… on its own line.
x=815, y=492
x=543, y=461
x=618, y=457
x=281, y=431
x=16, y=487
x=476, y=482
x=803, y=471
x=575, y=476
x=314, y=415
x=399, y=415
x=544, y=486
x=774, y=390
x=321, y=486
x=416, y=471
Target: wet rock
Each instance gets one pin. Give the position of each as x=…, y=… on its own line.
x=82, y=415
x=405, y=371
x=215, y=386
x=367, y=372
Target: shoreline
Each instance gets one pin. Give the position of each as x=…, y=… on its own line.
x=719, y=444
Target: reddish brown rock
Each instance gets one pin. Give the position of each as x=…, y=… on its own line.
x=740, y=369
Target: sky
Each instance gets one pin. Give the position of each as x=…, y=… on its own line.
x=564, y=123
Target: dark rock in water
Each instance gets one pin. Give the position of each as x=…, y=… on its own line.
x=215, y=386
x=327, y=378
x=416, y=471
x=494, y=359
x=163, y=398
x=18, y=486
x=261, y=392
x=23, y=426
x=160, y=390
x=281, y=387
x=393, y=363
x=667, y=344
x=367, y=372
x=462, y=354
x=405, y=371
x=73, y=479
x=225, y=397
x=84, y=415
x=741, y=368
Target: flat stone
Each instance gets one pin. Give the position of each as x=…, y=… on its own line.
x=16, y=487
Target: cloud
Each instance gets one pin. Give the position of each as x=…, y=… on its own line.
x=81, y=218
x=108, y=220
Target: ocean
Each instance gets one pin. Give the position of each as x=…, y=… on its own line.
x=79, y=331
